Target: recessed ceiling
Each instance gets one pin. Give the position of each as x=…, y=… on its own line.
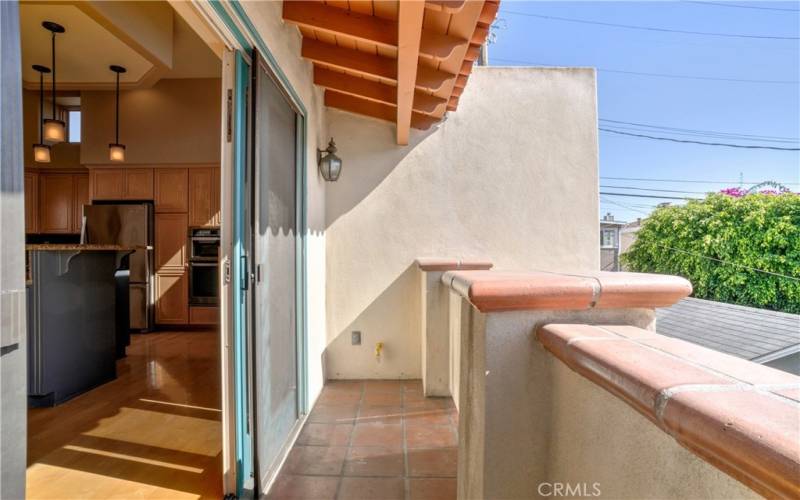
x=90, y=45
x=83, y=53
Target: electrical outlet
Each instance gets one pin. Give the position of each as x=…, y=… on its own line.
x=355, y=338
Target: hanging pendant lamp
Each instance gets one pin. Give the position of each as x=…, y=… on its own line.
x=54, y=131
x=41, y=151
x=116, y=151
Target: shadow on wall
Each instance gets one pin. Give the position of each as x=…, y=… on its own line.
x=380, y=156
x=392, y=318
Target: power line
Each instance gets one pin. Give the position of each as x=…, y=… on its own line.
x=660, y=75
x=701, y=134
x=649, y=28
x=722, y=4
x=648, y=179
x=710, y=132
x=649, y=196
x=686, y=141
x=654, y=189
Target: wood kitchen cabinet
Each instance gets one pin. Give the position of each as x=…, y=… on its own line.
x=171, y=190
x=121, y=183
x=31, y=202
x=170, y=242
x=80, y=198
x=204, y=196
x=56, y=206
x=172, y=298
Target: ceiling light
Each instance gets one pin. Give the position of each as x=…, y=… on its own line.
x=53, y=130
x=116, y=151
x=41, y=151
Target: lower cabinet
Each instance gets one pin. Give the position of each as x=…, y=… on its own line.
x=202, y=315
x=172, y=298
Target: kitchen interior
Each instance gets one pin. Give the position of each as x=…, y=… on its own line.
x=122, y=110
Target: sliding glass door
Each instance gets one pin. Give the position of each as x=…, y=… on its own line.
x=275, y=243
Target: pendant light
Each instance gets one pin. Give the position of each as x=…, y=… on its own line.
x=116, y=151
x=54, y=131
x=41, y=151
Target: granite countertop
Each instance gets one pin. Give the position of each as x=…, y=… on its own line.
x=85, y=247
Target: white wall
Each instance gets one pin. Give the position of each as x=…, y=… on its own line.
x=511, y=177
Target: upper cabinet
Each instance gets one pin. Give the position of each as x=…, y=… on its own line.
x=171, y=190
x=31, y=202
x=121, y=183
x=79, y=199
x=204, y=197
x=56, y=206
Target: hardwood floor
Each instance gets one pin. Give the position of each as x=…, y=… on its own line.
x=154, y=432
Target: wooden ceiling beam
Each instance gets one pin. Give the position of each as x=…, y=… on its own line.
x=374, y=91
x=446, y=6
x=382, y=32
x=378, y=110
x=481, y=32
x=358, y=62
x=409, y=29
x=489, y=12
x=473, y=53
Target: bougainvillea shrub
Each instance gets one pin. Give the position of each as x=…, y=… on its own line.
x=736, y=248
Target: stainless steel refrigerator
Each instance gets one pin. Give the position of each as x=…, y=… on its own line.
x=127, y=224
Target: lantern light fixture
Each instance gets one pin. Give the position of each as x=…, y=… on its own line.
x=41, y=151
x=330, y=165
x=116, y=151
x=53, y=130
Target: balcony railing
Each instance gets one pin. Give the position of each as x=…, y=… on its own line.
x=524, y=356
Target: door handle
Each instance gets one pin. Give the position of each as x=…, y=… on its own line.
x=245, y=284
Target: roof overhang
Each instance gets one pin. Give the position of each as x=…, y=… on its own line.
x=401, y=61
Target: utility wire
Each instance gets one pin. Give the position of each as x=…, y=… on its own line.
x=710, y=132
x=649, y=196
x=686, y=141
x=700, y=135
x=722, y=4
x=648, y=179
x=654, y=189
x=648, y=28
x=660, y=75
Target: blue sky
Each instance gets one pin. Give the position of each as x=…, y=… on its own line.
x=764, y=109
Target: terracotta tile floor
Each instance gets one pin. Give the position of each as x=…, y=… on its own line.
x=376, y=440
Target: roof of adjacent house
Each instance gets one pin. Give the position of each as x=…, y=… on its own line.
x=758, y=335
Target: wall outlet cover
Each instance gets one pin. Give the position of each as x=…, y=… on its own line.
x=355, y=338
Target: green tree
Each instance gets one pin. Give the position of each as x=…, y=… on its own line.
x=720, y=242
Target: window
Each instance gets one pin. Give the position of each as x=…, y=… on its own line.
x=74, y=125
x=607, y=238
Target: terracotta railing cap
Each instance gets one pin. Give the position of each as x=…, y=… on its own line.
x=440, y=264
x=741, y=417
x=491, y=291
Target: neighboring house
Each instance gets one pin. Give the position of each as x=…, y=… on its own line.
x=610, y=243
x=767, y=337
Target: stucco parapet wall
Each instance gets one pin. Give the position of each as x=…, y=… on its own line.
x=428, y=264
x=741, y=417
x=491, y=291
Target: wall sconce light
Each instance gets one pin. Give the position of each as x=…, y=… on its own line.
x=41, y=151
x=116, y=151
x=330, y=165
x=54, y=131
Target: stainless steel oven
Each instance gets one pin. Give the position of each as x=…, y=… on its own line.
x=203, y=283
x=204, y=244
x=204, y=266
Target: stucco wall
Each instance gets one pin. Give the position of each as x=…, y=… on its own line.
x=510, y=177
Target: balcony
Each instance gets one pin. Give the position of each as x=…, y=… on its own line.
x=560, y=386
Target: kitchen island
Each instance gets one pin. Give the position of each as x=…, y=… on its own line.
x=71, y=319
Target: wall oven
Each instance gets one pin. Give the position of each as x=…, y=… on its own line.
x=204, y=266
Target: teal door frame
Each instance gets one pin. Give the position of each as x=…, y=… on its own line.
x=241, y=280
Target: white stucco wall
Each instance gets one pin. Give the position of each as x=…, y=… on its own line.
x=510, y=177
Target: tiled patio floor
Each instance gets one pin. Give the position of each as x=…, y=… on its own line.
x=376, y=440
